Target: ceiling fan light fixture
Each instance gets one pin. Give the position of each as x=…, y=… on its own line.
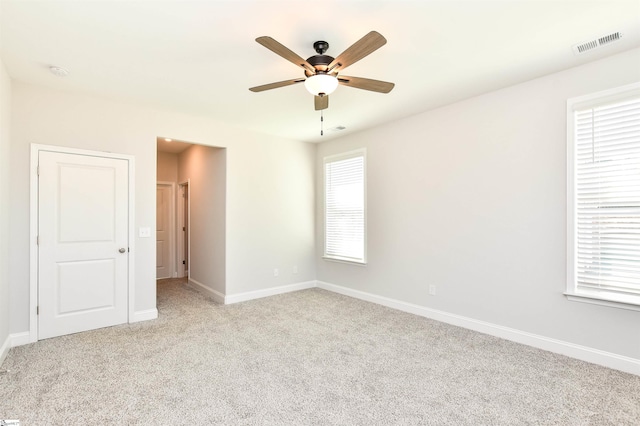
x=321, y=84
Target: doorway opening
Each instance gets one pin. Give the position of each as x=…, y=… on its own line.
x=199, y=248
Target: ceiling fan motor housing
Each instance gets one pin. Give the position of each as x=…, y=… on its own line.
x=319, y=62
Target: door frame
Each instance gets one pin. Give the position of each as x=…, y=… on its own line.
x=33, y=228
x=181, y=216
x=172, y=227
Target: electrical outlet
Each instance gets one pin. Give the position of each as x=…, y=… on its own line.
x=432, y=290
x=276, y=272
x=295, y=269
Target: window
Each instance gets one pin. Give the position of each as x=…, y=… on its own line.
x=603, y=244
x=345, y=207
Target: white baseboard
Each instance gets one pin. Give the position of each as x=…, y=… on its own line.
x=198, y=286
x=146, y=315
x=257, y=294
x=584, y=353
x=4, y=349
x=19, y=339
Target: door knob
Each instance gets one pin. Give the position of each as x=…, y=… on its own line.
x=122, y=250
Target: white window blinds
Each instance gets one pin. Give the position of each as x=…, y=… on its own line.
x=606, y=204
x=344, y=179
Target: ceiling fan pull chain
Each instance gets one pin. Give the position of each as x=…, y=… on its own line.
x=321, y=123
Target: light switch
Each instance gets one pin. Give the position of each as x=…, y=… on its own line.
x=144, y=232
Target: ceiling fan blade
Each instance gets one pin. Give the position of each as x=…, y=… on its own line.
x=276, y=85
x=321, y=102
x=279, y=49
x=358, y=50
x=366, y=84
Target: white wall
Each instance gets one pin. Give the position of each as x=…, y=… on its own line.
x=205, y=169
x=167, y=167
x=5, y=124
x=273, y=198
x=255, y=211
x=471, y=198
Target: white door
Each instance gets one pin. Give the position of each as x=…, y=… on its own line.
x=82, y=243
x=164, y=201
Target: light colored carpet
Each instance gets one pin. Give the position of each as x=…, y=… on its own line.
x=305, y=358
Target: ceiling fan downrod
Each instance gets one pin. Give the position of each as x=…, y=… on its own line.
x=320, y=47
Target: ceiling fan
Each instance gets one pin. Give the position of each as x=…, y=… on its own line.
x=321, y=71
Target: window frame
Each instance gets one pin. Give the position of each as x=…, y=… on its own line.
x=360, y=152
x=575, y=104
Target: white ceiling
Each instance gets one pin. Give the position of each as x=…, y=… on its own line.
x=200, y=57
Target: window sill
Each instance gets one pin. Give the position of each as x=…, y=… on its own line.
x=602, y=301
x=349, y=262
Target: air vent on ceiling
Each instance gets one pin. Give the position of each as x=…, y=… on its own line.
x=596, y=42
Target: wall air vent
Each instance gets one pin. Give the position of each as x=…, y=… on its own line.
x=609, y=38
x=596, y=42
